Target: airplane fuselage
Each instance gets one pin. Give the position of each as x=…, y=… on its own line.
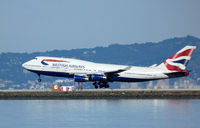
x=101, y=74
x=67, y=67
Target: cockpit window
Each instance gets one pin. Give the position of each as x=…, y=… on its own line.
x=35, y=58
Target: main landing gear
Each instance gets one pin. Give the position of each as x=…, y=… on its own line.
x=95, y=84
x=39, y=79
x=101, y=84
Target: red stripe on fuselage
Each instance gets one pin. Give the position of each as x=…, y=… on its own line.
x=52, y=60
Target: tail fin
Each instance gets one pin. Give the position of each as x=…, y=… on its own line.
x=178, y=61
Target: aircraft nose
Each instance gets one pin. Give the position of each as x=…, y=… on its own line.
x=24, y=65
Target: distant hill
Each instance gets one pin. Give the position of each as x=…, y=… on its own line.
x=12, y=75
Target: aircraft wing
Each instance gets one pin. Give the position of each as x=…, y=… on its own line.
x=115, y=73
x=109, y=74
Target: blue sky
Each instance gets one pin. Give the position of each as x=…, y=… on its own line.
x=41, y=25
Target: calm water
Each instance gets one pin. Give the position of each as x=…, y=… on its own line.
x=100, y=113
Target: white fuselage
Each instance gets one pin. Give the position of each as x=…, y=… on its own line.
x=101, y=74
x=68, y=67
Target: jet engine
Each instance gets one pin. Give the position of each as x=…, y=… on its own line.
x=98, y=77
x=81, y=78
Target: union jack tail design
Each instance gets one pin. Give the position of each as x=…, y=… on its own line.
x=178, y=61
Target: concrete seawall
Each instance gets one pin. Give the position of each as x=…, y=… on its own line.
x=102, y=94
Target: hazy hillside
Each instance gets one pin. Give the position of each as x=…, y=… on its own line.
x=146, y=54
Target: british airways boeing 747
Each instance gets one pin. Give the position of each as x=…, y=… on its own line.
x=101, y=74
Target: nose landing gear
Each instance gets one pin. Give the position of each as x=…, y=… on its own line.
x=39, y=79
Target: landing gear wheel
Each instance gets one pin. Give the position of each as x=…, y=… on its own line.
x=95, y=84
x=101, y=86
x=107, y=86
x=39, y=80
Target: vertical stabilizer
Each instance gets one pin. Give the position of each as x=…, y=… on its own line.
x=178, y=61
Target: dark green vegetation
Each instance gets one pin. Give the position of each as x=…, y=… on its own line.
x=146, y=54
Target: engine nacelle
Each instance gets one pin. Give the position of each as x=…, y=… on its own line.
x=98, y=77
x=81, y=78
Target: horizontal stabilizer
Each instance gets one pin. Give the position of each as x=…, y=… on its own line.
x=154, y=65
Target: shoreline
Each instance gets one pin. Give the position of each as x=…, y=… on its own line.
x=101, y=94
